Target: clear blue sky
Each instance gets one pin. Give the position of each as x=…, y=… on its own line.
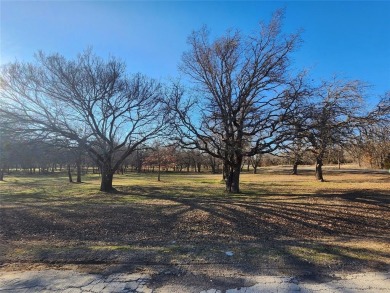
x=348, y=38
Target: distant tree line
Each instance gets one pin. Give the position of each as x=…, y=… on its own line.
x=239, y=103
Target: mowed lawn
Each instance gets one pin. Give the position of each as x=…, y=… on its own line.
x=279, y=223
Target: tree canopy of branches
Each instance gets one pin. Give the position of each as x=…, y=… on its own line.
x=373, y=142
x=87, y=102
x=330, y=116
x=244, y=93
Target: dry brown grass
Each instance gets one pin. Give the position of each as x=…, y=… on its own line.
x=279, y=222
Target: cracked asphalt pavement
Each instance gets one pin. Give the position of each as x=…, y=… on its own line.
x=54, y=280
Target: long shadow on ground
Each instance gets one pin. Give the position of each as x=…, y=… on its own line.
x=307, y=235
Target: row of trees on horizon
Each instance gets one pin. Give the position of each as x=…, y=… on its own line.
x=37, y=157
x=240, y=100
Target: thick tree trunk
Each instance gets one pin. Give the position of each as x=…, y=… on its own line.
x=69, y=174
x=107, y=177
x=1, y=174
x=235, y=188
x=78, y=165
x=254, y=169
x=319, y=169
x=233, y=179
x=106, y=183
x=295, y=168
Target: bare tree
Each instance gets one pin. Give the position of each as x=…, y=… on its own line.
x=374, y=140
x=333, y=114
x=294, y=146
x=88, y=101
x=255, y=161
x=373, y=144
x=162, y=156
x=242, y=85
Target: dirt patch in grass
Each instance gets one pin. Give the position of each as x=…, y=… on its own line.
x=279, y=223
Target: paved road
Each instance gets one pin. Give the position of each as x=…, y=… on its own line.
x=68, y=281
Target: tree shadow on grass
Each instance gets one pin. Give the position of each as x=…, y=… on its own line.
x=307, y=235
x=370, y=198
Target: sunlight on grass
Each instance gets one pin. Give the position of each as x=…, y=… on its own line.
x=317, y=255
x=56, y=186
x=277, y=220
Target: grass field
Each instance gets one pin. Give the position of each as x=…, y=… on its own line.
x=279, y=223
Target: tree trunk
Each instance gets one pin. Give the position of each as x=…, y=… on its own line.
x=295, y=168
x=159, y=172
x=225, y=172
x=69, y=174
x=233, y=179
x=319, y=169
x=78, y=165
x=199, y=166
x=139, y=166
x=254, y=169
x=107, y=177
x=213, y=165
x=106, y=183
x=1, y=174
x=339, y=159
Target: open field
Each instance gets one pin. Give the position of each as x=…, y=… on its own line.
x=280, y=223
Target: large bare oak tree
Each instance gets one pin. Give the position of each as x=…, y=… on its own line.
x=89, y=102
x=243, y=94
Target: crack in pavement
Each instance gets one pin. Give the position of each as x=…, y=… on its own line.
x=74, y=282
